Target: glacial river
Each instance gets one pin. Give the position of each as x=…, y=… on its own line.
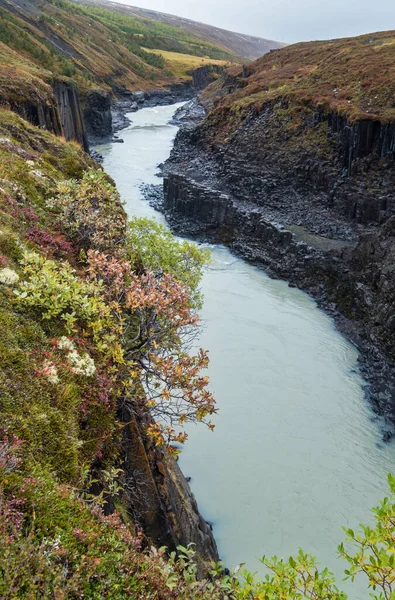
x=296, y=452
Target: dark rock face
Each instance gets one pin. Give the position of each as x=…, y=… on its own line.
x=211, y=215
x=159, y=498
x=97, y=114
x=44, y=115
x=322, y=163
x=316, y=210
x=373, y=264
x=70, y=113
x=59, y=111
x=205, y=75
x=39, y=107
x=361, y=139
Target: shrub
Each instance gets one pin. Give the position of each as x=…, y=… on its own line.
x=55, y=245
x=90, y=211
x=57, y=293
x=152, y=247
x=156, y=325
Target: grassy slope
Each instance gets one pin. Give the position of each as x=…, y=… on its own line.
x=92, y=45
x=353, y=76
x=53, y=542
x=182, y=64
x=247, y=46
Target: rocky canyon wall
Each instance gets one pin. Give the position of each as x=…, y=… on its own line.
x=310, y=196
x=69, y=106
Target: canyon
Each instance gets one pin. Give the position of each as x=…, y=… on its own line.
x=288, y=161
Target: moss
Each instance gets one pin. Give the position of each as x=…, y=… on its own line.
x=10, y=245
x=44, y=417
x=67, y=550
x=65, y=425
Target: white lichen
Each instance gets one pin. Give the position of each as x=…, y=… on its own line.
x=50, y=371
x=51, y=203
x=80, y=365
x=66, y=344
x=8, y=276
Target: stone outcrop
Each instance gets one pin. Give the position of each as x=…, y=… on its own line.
x=217, y=217
x=43, y=115
x=159, y=498
x=56, y=109
x=97, y=114
x=203, y=76
x=69, y=107
x=34, y=101
x=322, y=161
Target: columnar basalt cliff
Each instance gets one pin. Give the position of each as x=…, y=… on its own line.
x=159, y=498
x=70, y=111
x=56, y=108
x=97, y=113
x=32, y=99
x=295, y=171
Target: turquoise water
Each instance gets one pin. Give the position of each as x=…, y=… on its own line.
x=296, y=452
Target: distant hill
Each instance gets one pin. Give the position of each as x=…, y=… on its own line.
x=96, y=46
x=244, y=46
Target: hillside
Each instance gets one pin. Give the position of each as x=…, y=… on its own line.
x=354, y=77
x=245, y=46
x=94, y=46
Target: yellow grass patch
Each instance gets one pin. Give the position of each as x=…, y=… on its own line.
x=182, y=64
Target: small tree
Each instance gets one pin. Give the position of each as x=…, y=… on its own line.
x=152, y=247
x=156, y=325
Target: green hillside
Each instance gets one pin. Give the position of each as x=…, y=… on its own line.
x=93, y=45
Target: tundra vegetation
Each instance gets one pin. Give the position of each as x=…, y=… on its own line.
x=351, y=77
x=98, y=317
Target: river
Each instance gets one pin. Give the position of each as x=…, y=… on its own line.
x=297, y=451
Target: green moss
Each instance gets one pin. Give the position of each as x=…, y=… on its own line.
x=66, y=551
x=44, y=416
x=10, y=245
